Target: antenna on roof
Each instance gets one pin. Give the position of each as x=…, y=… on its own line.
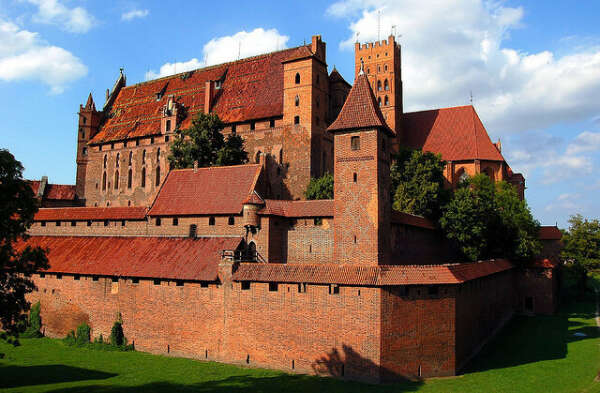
x=378, y=25
x=471, y=97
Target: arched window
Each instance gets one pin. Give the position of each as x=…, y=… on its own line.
x=257, y=157
x=379, y=100
x=143, y=177
x=385, y=67
x=378, y=85
x=378, y=68
x=297, y=101
x=158, y=155
x=386, y=101
x=130, y=158
x=157, y=176
x=252, y=250
x=129, y=176
x=118, y=159
x=104, y=181
x=116, y=180
x=386, y=85
x=144, y=156
x=297, y=78
x=105, y=159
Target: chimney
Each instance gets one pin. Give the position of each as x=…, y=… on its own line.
x=498, y=145
x=317, y=47
x=195, y=166
x=209, y=89
x=42, y=187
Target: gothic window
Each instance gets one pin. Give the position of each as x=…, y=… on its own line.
x=297, y=78
x=118, y=159
x=116, y=180
x=130, y=157
x=144, y=156
x=378, y=68
x=143, y=177
x=378, y=85
x=379, y=100
x=386, y=85
x=386, y=101
x=129, y=176
x=158, y=155
x=297, y=101
x=296, y=119
x=385, y=67
x=104, y=181
x=355, y=143
x=168, y=125
x=157, y=176
x=84, y=151
x=105, y=159
x=84, y=120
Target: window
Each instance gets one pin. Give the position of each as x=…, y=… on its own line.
x=273, y=287
x=143, y=177
x=168, y=126
x=233, y=129
x=179, y=283
x=318, y=79
x=355, y=143
x=118, y=159
x=76, y=277
x=302, y=287
x=105, y=223
x=462, y=175
x=112, y=146
x=130, y=160
x=297, y=79
x=354, y=177
x=129, y=176
x=89, y=223
x=280, y=156
x=123, y=222
x=158, y=221
x=211, y=221
x=157, y=176
x=84, y=120
x=317, y=120
x=318, y=102
x=386, y=101
x=158, y=155
x=144, y=156
x=135, y=280
x=257, y=157
x=386, y=85
x=116, y=180
x=334, y=289
x=57, y=223
x=105, y=159
x=42, y=275
x=84, y=151
x=73, y=223
x=59, y=276
x=231, y=220
x=175, y=221
x=378, y=85
x=318, y=221
x=296, y=119
x=156, y=282
x=245, y=285
x=252, y=126
x=43, y=223
x=385, y=66
x=193, y=229
x=95, y=278
x=378, y=67
x=272, y=123
x=166, y=138
x=379, y=101
x=297, y=101
x=137, y=142
x=152, y=140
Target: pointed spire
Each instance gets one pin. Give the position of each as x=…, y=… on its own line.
x=362, y=67
x=90, y=103
x=360, y=109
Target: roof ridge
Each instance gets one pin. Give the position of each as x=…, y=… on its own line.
x=212, y=167
x=475, y=131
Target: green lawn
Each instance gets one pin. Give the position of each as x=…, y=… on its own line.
x=533, y=354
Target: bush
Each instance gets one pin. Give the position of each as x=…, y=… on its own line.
x=70, y=338
x=82, y=337
x=117, y=338
x=320, y=187
x=34, y=323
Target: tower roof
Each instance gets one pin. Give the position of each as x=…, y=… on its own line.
x=360, y=109
x=336, y=77
x=90, y=103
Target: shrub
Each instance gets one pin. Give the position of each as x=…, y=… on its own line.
x=117, y=338
x=320, y=187
x=70, y=338
x=83, y=335
x=34, y=323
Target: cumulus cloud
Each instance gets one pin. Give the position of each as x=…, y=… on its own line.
x=53, y=12
x=24, y=56
x=134, y=14
x=451, y=48
x=228, y=48
x=567, y=201
x=585, y=142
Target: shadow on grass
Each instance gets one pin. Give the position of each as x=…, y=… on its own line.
x=533, y=339
x=16, y=376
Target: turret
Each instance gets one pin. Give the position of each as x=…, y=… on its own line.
x=87, y=127
x=252, y=204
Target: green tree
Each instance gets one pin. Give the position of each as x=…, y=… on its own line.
x=320, y=187
x=204, y=142
x=582, y=247
x=418, y=183
x=17, y=208
x=488, y=220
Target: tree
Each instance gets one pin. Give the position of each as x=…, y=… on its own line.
x=204, y=142
x=320, y=187
x=418, y=183
x=17, y=208
x=488, y=220
x=582, y=247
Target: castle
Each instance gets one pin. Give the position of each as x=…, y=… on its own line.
x=231, y=264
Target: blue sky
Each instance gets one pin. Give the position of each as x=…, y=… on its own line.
x=533, y=68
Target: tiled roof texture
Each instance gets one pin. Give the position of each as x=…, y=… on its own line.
x=296, y=209
x=214, y=190
x=253, y=199
x=456, y=133
x=90, y=213
x=55, y=191
x=550, y=233
x=411, y=219
x=149, y=257
x=252, y=88
x=370, y=275
x=335, y=76
x=360, y=109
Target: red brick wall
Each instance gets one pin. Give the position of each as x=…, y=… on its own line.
x=413, y=245
x=541, y=285
x=308, y=243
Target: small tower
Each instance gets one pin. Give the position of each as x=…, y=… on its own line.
x=383, y=69
x=361, y=224
x=89, y=121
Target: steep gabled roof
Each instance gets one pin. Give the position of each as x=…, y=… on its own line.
x=549, y=233
x=251, y=88
x=360, y=109
x=214, y=190
x=336, y=77
x=149, y=257
x=456, y=133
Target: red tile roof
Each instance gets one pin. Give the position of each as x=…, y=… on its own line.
x=317, y=208
x=336, y=77
x=360, y=109
x=550, y=233
x=150, y=257
x=55, y=191
x=254, y=199
x=370, y=275
x=411, y=219
x=251, y=88
x=456, y=133
x=91, y=213
x=214, y=190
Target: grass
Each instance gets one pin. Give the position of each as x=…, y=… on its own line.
x=533, y=354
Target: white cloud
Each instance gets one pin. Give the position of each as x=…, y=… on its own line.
x=567, y=201
x=134, y=14
x=24, y=56
x=53, y=12
x=585, y=142
x=228, y=48
x=453, y=47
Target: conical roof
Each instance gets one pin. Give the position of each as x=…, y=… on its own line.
x=360, y=109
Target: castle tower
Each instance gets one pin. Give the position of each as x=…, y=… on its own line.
x=362, y=206
x=89, y=121
x=383, y=69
